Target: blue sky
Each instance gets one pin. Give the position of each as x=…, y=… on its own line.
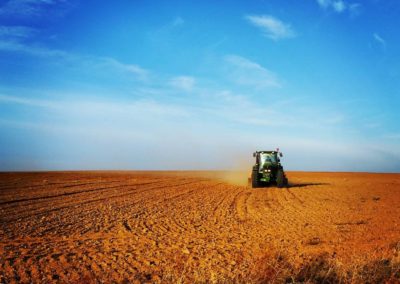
x=199, y=84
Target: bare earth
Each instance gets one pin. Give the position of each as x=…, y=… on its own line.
x=198, y=226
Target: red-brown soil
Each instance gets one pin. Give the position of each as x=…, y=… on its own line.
x=198, y=226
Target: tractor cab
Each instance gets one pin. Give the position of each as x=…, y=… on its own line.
x=268, y=159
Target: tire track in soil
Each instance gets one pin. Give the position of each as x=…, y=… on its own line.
x=241, y=205
x=76, y=202
x=64, y=193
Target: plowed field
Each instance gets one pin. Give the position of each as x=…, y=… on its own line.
x=198, y=226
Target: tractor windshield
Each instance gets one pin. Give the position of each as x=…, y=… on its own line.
x=269, y=158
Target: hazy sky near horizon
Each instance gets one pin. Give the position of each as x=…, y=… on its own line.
x=199, y=84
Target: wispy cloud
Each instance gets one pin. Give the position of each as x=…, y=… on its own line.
x=340, y=6
x=246, y=72
x=16, y=32
x=15, y=44
x=231, y=98
x=140, y=72
x=271, y=27
x=178, y=21
x=99, y=107
x=324, y=3
x=218, y=106
x=165, y=33
x=25, y=101
x=380, y=40
x=219, y=102
x=28, y=8
x=354, y=9
x=336, y=5
x=12, y=38
x=185, y=83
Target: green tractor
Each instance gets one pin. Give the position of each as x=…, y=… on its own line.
x=268, y=170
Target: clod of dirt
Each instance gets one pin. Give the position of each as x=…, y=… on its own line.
x=314, y=241
x=127, y=226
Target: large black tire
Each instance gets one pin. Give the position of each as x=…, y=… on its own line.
x=255, y=183
x=286, y=182
x=281, y=180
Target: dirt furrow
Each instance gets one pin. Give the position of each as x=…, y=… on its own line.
x=40, y=206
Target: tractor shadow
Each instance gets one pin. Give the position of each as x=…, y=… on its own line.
x=294, y=185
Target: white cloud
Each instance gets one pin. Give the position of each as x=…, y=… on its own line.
x=12, y=39
x=27, y=8
x=16, y=45
x=324, y=3
x=380, y=40
x=340, y=6
x=354, y=9
x=178, y=21
x=98, y=108
x=246, y=72
x=183, y=82
x=140, y=72
x=17, y=32
x=25, y=101
x=272, y=28
x=229, y=97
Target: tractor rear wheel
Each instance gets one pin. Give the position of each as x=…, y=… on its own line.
x=281, y=180
x=254, y=179
x=286, y=182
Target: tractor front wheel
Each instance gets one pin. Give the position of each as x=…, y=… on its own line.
x=281, y=180
x=254, y=179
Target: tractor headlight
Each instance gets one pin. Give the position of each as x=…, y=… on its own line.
x=267, y=170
